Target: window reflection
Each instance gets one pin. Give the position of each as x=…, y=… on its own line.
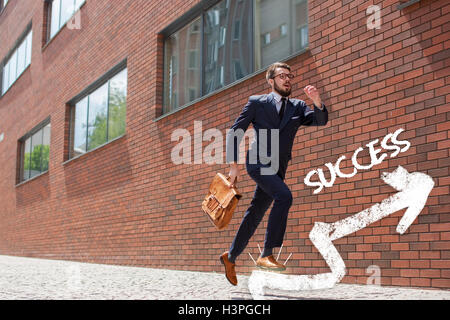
x=280, y=30
x=21, y=52
x=301, y=24
x=56, y=11
x=45, y=148
x=35, y=153
x=117, y=105
x=29, y=47
x=61, y=12
x=67, y=10
x=80, y=128
x=17, y=63
x=13, y=68
x=26, y=159
x=183, y=67
x=227, y=43
x=5, y=81
x=98, y=106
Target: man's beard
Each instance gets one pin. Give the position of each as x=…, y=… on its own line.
x=282, y=91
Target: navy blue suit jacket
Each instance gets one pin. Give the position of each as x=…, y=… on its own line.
x=261, y=112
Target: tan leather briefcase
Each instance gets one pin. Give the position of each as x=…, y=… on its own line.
x=221, y=201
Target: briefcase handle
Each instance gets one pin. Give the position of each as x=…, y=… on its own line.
x=235, y=180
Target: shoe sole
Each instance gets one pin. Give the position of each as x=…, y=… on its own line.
x=223, y=262
x=271, y=269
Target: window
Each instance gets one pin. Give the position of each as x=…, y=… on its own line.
x=3, y=4
x=234, y=38
x=99, y=116
x=35, y=152
x=18, y=60
x=60, y=12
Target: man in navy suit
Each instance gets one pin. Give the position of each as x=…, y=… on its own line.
x=272, y=115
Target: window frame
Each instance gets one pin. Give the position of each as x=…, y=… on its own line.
x=198, y=11
x=15, y=50
x=104, y=79
x=406, y=3
x=22, y=142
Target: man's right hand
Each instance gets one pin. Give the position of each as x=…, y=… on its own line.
x=234, y=173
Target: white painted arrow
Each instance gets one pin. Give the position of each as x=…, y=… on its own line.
x=413, y=188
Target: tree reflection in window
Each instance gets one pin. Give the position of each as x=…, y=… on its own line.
x=36, y=153
x=101, y=116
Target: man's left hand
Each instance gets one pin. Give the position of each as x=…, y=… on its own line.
x=312, y=93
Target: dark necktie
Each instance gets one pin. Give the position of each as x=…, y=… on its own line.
x=283, y=106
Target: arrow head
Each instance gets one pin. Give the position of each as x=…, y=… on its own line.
x=415, y=188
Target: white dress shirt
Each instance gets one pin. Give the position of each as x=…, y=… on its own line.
x=278, y=101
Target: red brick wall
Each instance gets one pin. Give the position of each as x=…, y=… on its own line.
x=127, y=203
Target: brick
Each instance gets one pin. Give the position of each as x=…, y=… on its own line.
x=421, y=264
x=420, y=282
x=440, y=283
x=440, y=245
x=410, y=255
x=430, y=273
x=372, y=255
x=436, y=137
x=440, y=264
x=433, y=50
x=401, y=281
x=446, y=274
x=413, y=74
x=409, y=273
x=400, y=246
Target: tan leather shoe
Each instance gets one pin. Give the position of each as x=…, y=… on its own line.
x=230, y=271
x=269, y=263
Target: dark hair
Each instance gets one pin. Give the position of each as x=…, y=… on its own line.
x=271, y=70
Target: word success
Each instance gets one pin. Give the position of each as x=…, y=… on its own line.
x=374, y=157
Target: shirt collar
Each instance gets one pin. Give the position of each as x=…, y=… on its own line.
x=278, y=97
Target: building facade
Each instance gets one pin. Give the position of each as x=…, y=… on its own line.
x=113, y=116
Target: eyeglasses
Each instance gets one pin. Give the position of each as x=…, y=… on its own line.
x=283, y=76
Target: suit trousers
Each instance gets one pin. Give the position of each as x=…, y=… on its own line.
x=269, y=188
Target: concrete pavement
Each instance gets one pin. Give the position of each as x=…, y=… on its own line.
x=40, y=279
